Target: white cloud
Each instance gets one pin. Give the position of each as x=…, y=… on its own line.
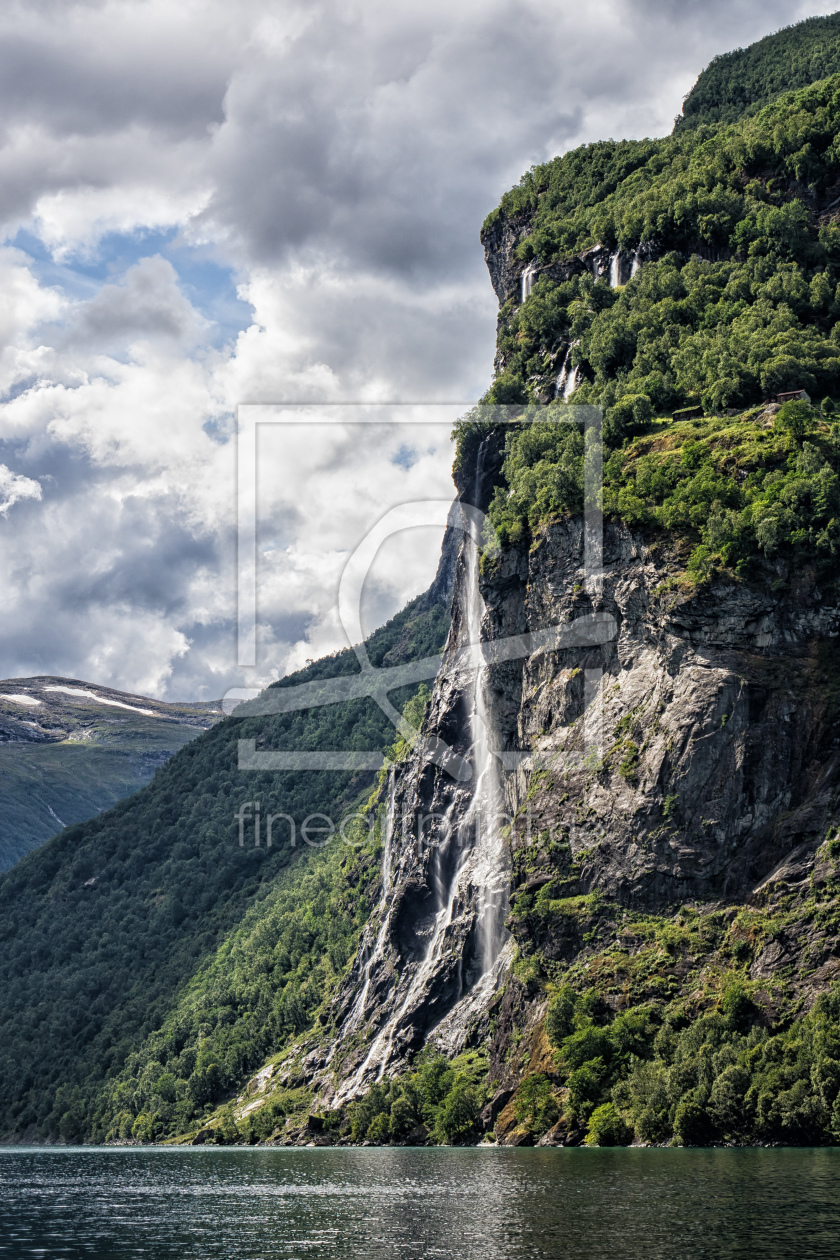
x=340, y=160
x=14, y=486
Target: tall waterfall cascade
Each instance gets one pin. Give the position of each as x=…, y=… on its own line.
x=462, y=946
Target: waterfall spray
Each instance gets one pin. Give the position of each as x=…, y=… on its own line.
x=467, y=870
x=565, y=375
x=568, y=377
x=528, y=277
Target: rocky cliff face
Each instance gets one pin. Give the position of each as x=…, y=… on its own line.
x=692, y=758
x=687, y=759
x=718, y=747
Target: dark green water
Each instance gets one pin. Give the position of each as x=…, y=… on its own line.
x=245, y=1204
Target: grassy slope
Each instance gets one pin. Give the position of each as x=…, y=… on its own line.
x=53, y=785
x=68, y=757
x=109, y=959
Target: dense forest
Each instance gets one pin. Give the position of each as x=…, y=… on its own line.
x=116, y=921
x=736, y=297
x=740, y=82
x=737, y=491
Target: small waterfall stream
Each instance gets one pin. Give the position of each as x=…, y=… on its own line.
x=529, y=275
x=467, y=869
x=568, y=377
x=615, y=269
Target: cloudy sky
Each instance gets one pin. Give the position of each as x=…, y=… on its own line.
x=205, y=204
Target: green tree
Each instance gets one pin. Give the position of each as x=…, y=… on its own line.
x=796, y=418
x=457, y=1116
x=607, y=1128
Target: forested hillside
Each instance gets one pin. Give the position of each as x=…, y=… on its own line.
x=736, y=233
x=674, y=912
x=740, y=82
x=105, y=926
x=68, y=751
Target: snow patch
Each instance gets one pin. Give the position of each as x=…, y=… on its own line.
x=89, y=695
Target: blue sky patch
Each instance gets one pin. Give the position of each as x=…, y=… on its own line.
x=209, y=285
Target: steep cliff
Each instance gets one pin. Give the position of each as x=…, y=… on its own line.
x=597, y=897
x=663, y=864
x=645, y=853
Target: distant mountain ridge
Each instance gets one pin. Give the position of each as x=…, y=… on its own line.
x=70, y=748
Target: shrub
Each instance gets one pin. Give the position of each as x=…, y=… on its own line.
x=630, y=415
x=559, y=1020
x=535, y=1105
x=607, y=1128
x=364, y=1111
x=379, y=1129
x=142, y=1129
x=403, y=1117
x=586, y=1085
x=796, y=418
x=693, y=1125
x=456, y=1118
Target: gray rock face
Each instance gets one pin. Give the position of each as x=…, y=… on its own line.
x=692, y=757
x=717, y=752
x=500, y=241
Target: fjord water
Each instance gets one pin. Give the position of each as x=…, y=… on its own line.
x=257, y=1203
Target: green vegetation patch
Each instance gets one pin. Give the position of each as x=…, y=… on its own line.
x=166, y=959
x=737, y=293
x=438, y=1102
x=739, y=492
x=740, y=82
x=725, y=1077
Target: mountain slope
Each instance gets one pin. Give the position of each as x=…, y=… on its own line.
x=68, y=750
x=740, y=82
x=647, y=946
x=110, y=920
x=698, y=269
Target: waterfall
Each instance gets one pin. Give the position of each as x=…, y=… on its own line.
x=387, y=862
x=615, y=269
x=563, y=375
x=467, y=869
x=487, y=804
x=528, y=277
x=637, y=262
x=568, y=378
